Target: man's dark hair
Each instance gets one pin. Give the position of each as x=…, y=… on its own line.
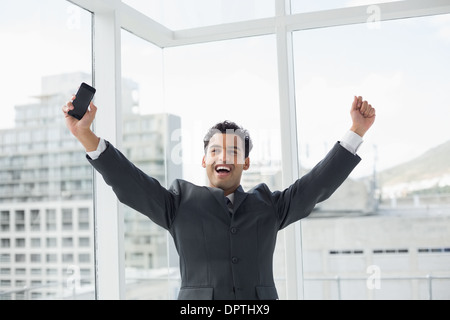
x=229, y=127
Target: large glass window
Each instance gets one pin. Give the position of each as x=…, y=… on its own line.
x=171, y=97
x=385, y=233
x=233, y=80
x=147, y=131
x=47, y=56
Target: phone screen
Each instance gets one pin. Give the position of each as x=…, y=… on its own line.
x=82, y=100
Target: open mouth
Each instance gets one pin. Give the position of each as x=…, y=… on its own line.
x=223, y=170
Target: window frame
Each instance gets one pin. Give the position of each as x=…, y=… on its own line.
x=110, y=16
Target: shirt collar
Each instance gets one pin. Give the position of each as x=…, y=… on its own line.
x=231, y=197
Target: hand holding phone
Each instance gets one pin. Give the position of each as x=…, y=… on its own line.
x=82, y=100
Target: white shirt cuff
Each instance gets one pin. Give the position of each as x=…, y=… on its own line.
x=100, y=148
x=351, y=141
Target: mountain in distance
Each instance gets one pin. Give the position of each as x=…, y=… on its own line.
x=432, y=165
x=428, y=174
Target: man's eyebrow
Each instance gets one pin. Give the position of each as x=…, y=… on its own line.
x=221, y=146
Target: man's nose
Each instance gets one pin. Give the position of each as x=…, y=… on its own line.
x=225, y=157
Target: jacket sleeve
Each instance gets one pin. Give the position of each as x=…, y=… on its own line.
x=136, y=189
x=297, y=201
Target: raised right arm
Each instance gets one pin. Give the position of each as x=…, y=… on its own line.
x=132, y=186
x=135, y=188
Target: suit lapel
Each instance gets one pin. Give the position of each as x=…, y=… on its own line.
x=239, y=197
x=219, y=196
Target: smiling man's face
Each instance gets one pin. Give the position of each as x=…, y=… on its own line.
x=225, y=161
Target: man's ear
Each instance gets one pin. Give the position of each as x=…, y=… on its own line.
x=247, y=163
x=203, y=162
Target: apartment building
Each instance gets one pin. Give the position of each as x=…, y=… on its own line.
x=47, y=215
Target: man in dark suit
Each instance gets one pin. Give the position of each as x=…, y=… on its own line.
x=225, y=237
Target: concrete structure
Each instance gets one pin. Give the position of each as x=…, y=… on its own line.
x=46, y=206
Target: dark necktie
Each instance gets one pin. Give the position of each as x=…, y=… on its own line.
x=229, y=205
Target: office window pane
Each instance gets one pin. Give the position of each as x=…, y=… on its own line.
x=20, y=258
x=83, y=218
x=35, y=242
x=20, y=243
x=233, y=80
x=387, y=227
x=5, y=243
x=52, y=257
x=146, y=131
x=51, y=242
x=20, y=271
x=35, y=224
x=84, y=258
x=84, y=242
x=51, y=271
x=164, y=129
x=19, y=220
x=184, y=14
x=47, y=56
x=5, y=271
x=4, y=218
x=67, y=258
x=36, y=271
x=67, y=242
x=67, y=223
x=35, y=257
x=5, y=283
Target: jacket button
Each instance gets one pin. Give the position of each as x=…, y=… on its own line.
x=233, y=230
x=234, y=260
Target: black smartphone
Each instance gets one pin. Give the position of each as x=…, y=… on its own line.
x=82, y=100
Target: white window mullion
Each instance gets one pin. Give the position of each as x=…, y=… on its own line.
x=110, y=277
x=292, y=236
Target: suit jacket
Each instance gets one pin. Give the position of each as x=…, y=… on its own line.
x=221, y=256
